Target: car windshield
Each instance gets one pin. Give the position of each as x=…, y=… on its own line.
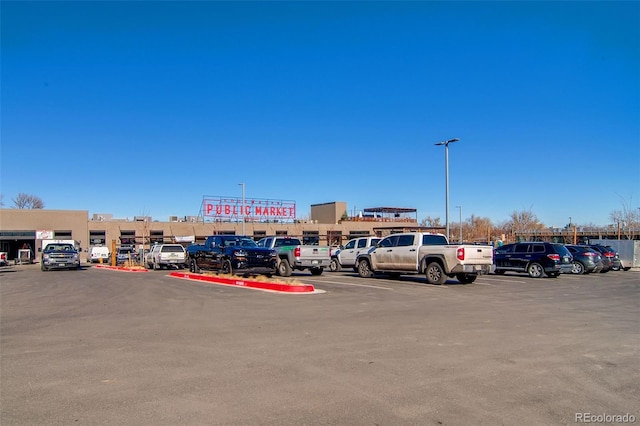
x=58, y=247
x=242, y=242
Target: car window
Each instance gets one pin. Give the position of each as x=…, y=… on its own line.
x=172, y=249
x=505, y=249
x=362, y=243
x=521, y=248
x=405, y=240
x=561, y=249
x=572, y=249
x=374, y=241
x=389, y=241
x=283, y=242
x=434, y=240
x=351, y=244
x=538, y=248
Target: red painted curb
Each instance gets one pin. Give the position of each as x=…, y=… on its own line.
x=243, y=282
x=120, y=268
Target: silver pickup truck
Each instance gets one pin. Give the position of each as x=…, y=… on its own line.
x=426, y=253
x=293, y=255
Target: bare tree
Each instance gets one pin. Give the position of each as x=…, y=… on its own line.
x=430, y=221
x=627, y=219
x=27, y=201
x=524, y=221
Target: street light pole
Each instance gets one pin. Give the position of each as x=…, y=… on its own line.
x=446, y=177
x=242, y=208
x=460, y=208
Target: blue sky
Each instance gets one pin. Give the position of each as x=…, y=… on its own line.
x=136, y=108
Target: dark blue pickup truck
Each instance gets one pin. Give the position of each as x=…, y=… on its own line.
x=232, y=254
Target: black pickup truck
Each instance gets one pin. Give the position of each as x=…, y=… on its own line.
x=232, y=254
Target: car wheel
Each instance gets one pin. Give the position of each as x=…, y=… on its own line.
x=364, y=270
x=226, y=267
x=193, y=267
x=466, y=278
x=435, y=274
x=316, y=271
x=578, y=268
x=284, y=269
x=334, y=266
x=535, y=270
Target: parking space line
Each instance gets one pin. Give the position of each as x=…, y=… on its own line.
x=320, y=282
x=504, y=280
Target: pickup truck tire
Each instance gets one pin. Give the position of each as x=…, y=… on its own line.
x=535, y=270
x=316, y=271
x=364, y=269
x=334, y=266
x=193, y=267
x=435, y=274
x=284, y=269
x=226, y=267
x=466, y=278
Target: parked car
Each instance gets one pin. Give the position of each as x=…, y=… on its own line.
x=610, y=258
x=99, y=254
x=166, y=255
x=347, y=254
x=533, y=258
x=585, y=259
x=125, y=254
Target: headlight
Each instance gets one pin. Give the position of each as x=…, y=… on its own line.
x=45, y=257
x=240, y=253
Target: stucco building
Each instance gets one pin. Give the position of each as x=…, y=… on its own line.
x=329, y=224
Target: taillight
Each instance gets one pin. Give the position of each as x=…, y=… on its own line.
x=590, y=254
x=609, y=254
x=3, y=256
x=296, y=252
x=555, y=257
x=460, y=253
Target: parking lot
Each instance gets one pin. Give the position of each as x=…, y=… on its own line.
x=103, y=347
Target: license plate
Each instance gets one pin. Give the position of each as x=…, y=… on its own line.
x=314, y=262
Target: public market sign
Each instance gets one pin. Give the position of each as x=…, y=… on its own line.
x=253, y=209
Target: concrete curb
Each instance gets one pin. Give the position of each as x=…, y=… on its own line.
x=120, y=268
x=249, y=283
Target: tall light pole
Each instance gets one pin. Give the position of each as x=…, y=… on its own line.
x=460, y=208
x=446, y=177
x=242, y=208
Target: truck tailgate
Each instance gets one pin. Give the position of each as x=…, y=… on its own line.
x=315, y=253
x=477, y=255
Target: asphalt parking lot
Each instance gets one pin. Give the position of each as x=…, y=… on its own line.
x=103, y=347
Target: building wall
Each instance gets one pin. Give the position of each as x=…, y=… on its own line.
x=329, y=213
x=18, y=228
x=27, y=222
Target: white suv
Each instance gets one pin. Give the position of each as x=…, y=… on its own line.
x=346, y=256
x=166, y=255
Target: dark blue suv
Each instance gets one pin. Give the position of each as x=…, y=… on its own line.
x=534, y=258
